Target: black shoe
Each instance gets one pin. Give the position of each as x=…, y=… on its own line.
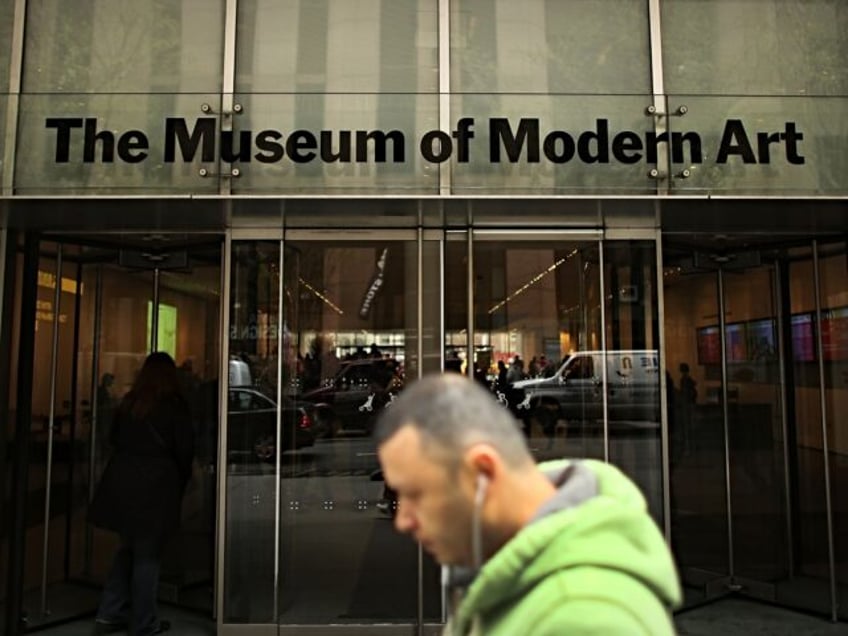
x=164, y=626
x=107, y=627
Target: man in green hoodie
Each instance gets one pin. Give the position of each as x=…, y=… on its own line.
x=552, y=550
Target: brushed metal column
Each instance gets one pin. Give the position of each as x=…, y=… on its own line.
x=95, y=414
x=782, y=356
x=725, y=414
x=154, y=313
x=604, y=378
x=57, y=297
x=825, y=446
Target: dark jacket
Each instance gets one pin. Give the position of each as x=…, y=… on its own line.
x=140, y=493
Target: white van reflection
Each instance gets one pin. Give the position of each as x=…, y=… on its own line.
x=575, y=392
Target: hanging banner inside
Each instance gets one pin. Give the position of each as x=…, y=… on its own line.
x=374, y=286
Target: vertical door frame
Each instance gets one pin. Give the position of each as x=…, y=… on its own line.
x=824, y=429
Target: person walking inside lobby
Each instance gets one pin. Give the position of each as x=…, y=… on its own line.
x=566, y=547
x=140, y=494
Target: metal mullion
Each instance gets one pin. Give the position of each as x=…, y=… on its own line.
x=445, y=176
x=825, y=446
x=228, y=86
x=154, y=313
x=223, y=374
x=442, y=335
x=725, y=414
x=664, y=440
x=420, y=352
x=13, y=108
x=604, y=378
x=95, y=411
x=279, y=434
x=782, y=354
x=660, y=101
x=469, y=348
x=54, y=355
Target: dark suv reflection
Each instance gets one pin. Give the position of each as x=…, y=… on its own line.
x=252, y=425
x=350, y=402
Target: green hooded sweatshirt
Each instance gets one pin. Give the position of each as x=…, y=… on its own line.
x=592, y=561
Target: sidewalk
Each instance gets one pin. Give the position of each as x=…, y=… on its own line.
x=728, y=617
x=738, y=617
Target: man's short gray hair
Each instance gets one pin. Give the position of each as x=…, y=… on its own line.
x=452, y=413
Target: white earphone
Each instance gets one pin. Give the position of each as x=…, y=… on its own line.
x=476, y=527
x=482, y=488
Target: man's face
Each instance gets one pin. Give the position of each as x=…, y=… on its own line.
x=434, y=504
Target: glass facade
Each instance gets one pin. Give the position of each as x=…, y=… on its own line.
x=755, y=48
x=634, y=207
x=123, y=47
x=371, y=97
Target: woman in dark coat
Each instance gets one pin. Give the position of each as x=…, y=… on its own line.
x=140, y=494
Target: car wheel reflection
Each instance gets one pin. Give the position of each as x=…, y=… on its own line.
x=252, y=425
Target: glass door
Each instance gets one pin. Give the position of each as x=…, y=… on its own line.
x=101, y=307
x=751, y=445
x=565, y=333
x=816, y=279
x=325, y=330
x=537, y=334
x=726, y=413
x=698, y=456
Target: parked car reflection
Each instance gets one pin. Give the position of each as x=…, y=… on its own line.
x=361, y=388
x=252, y=427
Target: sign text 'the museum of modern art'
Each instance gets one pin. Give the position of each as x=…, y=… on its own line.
x=524, y=140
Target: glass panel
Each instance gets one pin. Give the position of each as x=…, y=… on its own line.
x=7, y=12
x=103, y=339
x=809, y=585
x=351, y=325
x=536, y=321
x=252, y=433
x=633, y=369
x=119, y=46
x=120, y=345
x=755, y=412
x=339, y=143
x=103, y=342
x=456, y=303
x=553, y=144
x=192, y=296
x=783, y=41
x=337, y=46
x=116, y=144
x=65, y=479
x=833, y=267
x=547, y=46
x=759, y=145
x=696, y=425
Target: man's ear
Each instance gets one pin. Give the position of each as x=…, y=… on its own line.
x=483, y=459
